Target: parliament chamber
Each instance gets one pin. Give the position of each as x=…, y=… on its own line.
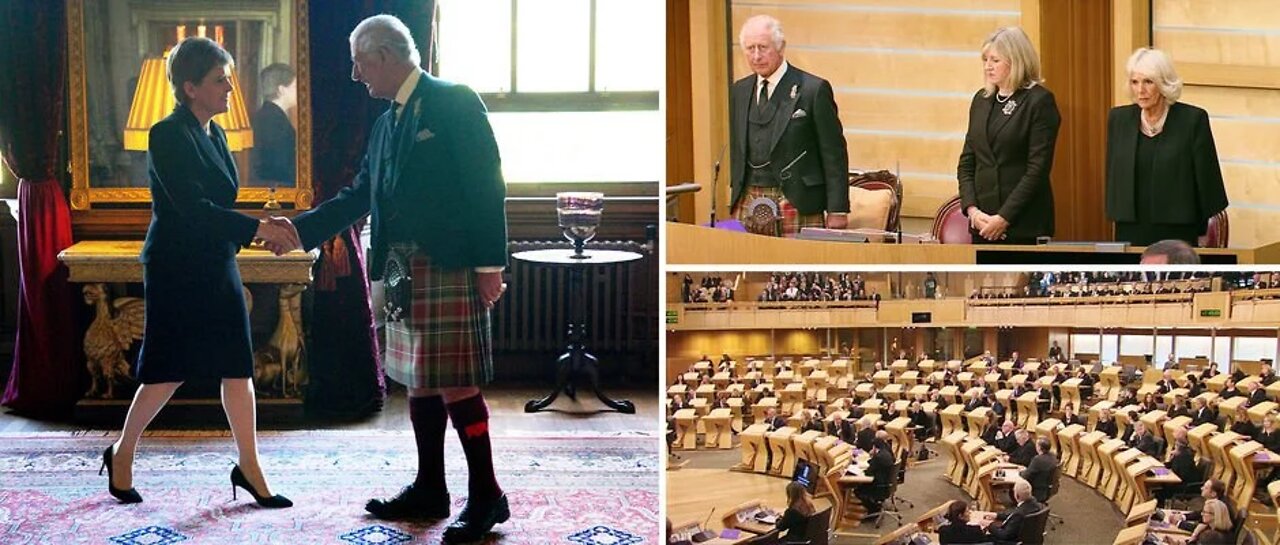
x=1122, y=403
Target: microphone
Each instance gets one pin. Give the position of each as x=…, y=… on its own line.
x=705, y=534
x=897, y=188
x=715, y=175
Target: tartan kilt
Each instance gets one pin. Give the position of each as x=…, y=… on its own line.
x=446, y=340
x=792, y=220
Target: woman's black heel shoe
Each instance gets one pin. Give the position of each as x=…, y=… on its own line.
x=125, y=496
x=237, y=479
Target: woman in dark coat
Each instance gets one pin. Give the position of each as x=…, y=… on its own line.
x=1008, y=147
x=1163, y=176
x=197, y=325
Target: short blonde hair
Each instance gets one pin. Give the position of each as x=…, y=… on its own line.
x=1024, y=63
x=1156, y=64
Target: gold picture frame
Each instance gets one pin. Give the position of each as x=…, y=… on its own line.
x=84, y=195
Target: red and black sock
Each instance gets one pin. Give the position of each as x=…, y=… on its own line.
x=428, y=416
x=471, y=419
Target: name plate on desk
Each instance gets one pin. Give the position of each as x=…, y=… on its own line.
x=1100, y=247
x=863, y=235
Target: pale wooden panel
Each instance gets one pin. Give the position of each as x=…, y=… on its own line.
x=996, y=5
x=809, y=26
x=1217, y=13
x=903, y=112
x=689, y=346
x=1225, y=101
x=1219, y=48
x=880, y=151
x=1252, y=227
x=921, y=196
x=884, y=70
x=1252, y=184
x=1247, y=140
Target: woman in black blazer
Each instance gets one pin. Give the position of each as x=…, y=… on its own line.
x=957, y=530
x=197, y=325
x=1008, y=147
x=1163, y=176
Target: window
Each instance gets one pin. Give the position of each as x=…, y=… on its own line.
x=571, y=85
x=1255, y=348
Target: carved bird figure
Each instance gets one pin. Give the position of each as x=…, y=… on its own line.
x=116, y=326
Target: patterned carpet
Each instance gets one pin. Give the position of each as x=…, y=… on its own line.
x=588, y=490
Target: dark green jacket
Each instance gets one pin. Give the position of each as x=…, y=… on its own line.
x=438, y=184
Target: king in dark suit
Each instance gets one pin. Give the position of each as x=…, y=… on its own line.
x=432, y=185
x=788, y=147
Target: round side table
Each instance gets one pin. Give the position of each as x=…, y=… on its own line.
x=576, y=360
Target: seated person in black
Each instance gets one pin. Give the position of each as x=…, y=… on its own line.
x=1143, y=440
x=881, y=470
x=1040, y=471
x=1216, y=528
x=1009, y=523
x=1243, y=425
x=1025, y=450
x=1006, y=440
x=1229, y=390
x=1106, y=424
x=795, y=519
x=1179, y=408
x=957, y=530
x=1256, y=393
x=1069, y=415
x=921, y=420
x=1201, y=413
x=1183, y=464
x=1213, y=489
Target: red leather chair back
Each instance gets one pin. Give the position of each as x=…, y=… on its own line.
x=950, y=225
x=1216, y=235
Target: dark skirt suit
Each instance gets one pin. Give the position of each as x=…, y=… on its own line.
x=197, y=324
x=1166, y=186
x=1005, y=163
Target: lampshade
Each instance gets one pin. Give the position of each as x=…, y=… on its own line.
x=153, y=100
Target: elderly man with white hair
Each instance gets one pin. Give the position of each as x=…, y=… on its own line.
x=1009, y=523
x=1163, y=177
x=432, y=185
x=790, y=162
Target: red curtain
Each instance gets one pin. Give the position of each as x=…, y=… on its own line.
x=48, y=373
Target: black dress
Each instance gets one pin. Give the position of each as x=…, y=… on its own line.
x=1145, y=230
x=197, y=325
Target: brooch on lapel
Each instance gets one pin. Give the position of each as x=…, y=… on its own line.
x=794, y=92
x=1009, y=106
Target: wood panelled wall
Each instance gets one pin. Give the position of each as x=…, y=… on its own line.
x=903, y=72
x=1228, y=53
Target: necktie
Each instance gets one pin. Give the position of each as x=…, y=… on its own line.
x=764, y=94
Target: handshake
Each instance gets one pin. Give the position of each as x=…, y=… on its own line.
x=278, y=235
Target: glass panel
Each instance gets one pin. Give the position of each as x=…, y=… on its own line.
x=580, y=146
x=1222, y=352
x=1255, y=348
x=1084, y=343
x=475, y=43
x=1194, y=347
x=1164, y=346
x=1136, y=345
x=626, y=57
x=554, y=43
x=1110, y=348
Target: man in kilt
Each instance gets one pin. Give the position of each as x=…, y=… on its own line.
x=431, y=181
x=790, y=162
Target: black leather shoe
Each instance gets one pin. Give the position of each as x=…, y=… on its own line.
x=476, y=520
x=238, y=480
x=412, y=503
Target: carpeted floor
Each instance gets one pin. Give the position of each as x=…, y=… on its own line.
x=587, y=488
x=1090, y=518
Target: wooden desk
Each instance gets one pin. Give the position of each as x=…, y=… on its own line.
x=698, y=245
x=718, y=434
x=955, y=467
x=686, y=430
x=1069, y=442
x=782, y=450
x=755, y=452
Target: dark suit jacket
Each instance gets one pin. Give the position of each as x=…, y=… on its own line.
x=1040, y=474
x=1146, y=444
x=444, y=190
x=1258, y=396
x=1008, y=173
x=1269, y=440
x=880, y=468
x=1186, y=165
x=1183, y=464
x=1012, y=520
x=818, y=181
x=865, y=437
x=274, y=154
x=960, y=534
x=1204, y=416
x=1109, y=427
x=1022, y=454
x=193, y=192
